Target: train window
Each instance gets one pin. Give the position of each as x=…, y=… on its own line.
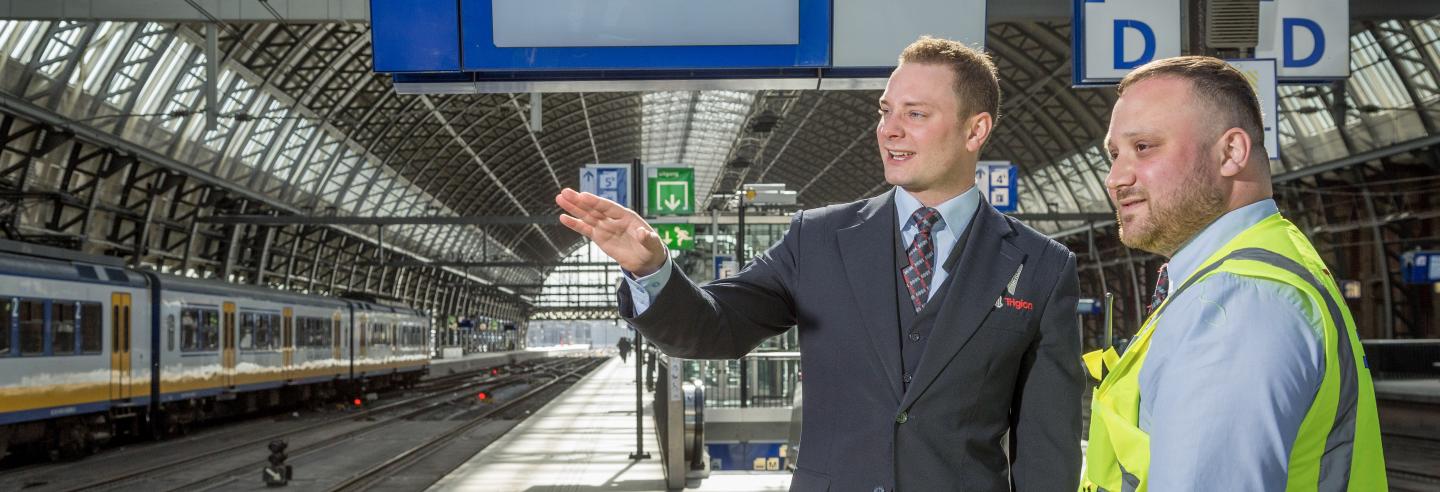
x=170, y=331
x=318, y=333
x=377, y=334
x=32, y=327
x=62, y=328
x=273, y=332
x=7, y=305
x=199, y=329
x=92, y=335
x=190, y=329
x=247, y=331
x=210, y=328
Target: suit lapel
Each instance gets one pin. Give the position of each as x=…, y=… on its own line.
x=985, y=266
x=862, y=248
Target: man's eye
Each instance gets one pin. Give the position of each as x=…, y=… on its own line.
x=917, y=115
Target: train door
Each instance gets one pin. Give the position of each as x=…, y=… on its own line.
x=335, y=336
x=364, y=324
x=227, y=342
x=287, y=340
x=120, y=370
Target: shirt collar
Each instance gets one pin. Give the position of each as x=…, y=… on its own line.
x=1215, y=235
x=955, y=213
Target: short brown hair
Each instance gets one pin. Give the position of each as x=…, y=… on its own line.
x=977, y=85
x=1213, y=83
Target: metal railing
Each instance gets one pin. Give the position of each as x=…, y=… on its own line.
x=679, y=411
x=760, y=380
x=1403, y=359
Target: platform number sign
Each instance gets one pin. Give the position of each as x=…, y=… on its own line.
x=608, y=181
x=677, y=237
x=997, y=183
x=671, y=191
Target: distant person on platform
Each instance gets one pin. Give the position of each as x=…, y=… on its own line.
x=1247, y=373
x=624, y=346
x=933, y=328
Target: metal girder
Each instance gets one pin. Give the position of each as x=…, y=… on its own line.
x=301, y=11
x=482, y=264
x=378, y=220
x=465, y=220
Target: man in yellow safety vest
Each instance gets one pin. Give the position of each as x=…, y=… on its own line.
x=1247, y=373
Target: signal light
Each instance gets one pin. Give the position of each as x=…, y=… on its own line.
x=482, y=396
x=357, y=402
x=495, y=372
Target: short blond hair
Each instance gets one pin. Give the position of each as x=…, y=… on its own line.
x=977, y=82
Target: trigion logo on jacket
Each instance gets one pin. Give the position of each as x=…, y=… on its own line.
x=1010, y=300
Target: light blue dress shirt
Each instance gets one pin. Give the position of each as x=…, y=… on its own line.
x=956, y=212
x=1233, y=366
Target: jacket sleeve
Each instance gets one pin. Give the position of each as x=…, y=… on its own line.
x=1045, y=413
x=726, y=318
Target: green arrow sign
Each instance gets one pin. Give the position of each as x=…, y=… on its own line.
x=678, y=237
x=671, y=191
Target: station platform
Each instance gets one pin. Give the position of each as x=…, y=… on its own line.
x=1409, y=390
x=582, y=441
x=481, y=360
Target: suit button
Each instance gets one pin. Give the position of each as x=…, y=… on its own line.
x=902, y=417
x=914, y=337
x=908, y=377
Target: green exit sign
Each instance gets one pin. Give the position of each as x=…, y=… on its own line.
x=679, y=237
x=671, y=191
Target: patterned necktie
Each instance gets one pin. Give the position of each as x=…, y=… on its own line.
x=1162, y=289
x=921, y=254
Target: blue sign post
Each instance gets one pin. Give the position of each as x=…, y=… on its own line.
x=996, y=181
x=608, y=181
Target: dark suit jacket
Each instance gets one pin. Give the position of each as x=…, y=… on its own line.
x=995, y=400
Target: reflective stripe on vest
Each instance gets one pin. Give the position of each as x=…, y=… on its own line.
x=1119, y=442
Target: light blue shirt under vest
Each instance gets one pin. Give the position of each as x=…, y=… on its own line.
x=955, y=216
x=1233, y=366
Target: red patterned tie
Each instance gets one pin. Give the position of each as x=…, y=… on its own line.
x=921, y=254
x=1162, y=289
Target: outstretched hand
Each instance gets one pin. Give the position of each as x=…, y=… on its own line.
x=617, y=230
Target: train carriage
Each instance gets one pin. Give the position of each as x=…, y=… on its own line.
x=63, y=376
x=89, y=348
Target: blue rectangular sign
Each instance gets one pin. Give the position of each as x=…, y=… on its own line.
x=608, y=181
x=415, y=35
x=481, y=53
x=1421, y=267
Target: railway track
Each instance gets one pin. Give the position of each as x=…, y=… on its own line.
x=441, y=394
x=372, y=477
x=1400, y=466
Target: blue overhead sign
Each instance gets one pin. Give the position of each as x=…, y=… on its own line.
x=540, y=45
x=608, y=181
x=1421, y=267
x=1112, y=37
x=996, y=181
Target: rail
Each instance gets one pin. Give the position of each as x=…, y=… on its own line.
x=759, y=380
x=679, y=411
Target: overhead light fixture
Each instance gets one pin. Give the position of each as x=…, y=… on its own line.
x=764, y=122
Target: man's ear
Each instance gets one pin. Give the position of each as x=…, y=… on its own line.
x=1234, y=147
x=980, y=126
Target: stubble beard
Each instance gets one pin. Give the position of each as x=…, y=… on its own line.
x=1197, y=203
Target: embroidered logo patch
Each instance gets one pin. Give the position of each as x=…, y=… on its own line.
x=1018, y=303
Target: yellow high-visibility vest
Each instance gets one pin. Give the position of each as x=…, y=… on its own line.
x=1338, y=446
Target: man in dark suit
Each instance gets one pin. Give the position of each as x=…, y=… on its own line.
x=939, y=338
